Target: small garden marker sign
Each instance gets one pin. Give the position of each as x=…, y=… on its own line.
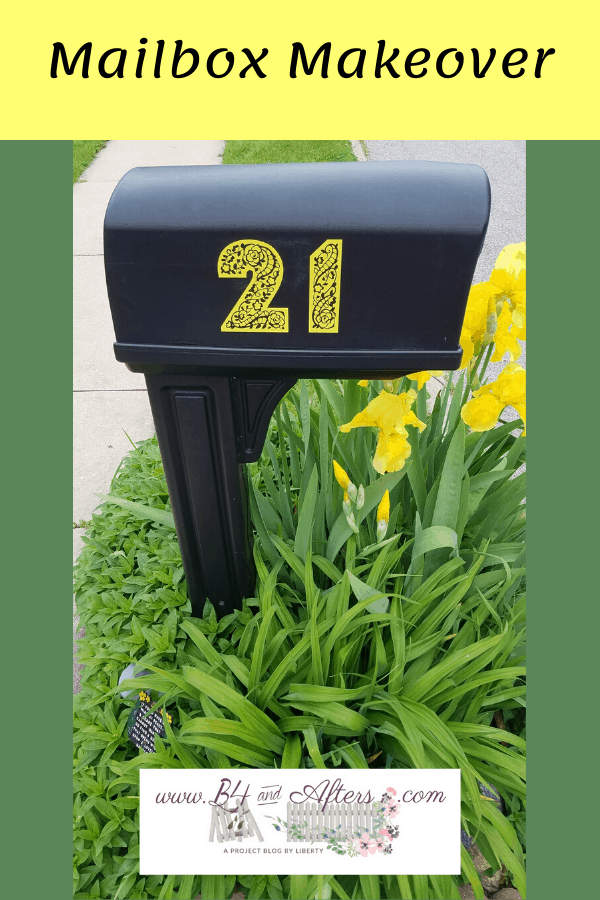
x=143, y=725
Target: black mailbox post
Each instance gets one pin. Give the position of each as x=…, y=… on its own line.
x=227, y=283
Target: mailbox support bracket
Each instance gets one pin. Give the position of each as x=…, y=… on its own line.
x=198, y=418
x=254, y=401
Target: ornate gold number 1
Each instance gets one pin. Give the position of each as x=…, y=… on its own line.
x=324, y=288
x=252, y=311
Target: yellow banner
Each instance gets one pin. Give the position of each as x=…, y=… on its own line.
x=470, y=70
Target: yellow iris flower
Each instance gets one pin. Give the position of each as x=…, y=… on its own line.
x=389, y=413
x=423, y=377
x=506, y=337
x=479, y=324
x=341, y=476
x=383, y=516
x=496, y=309
x=383, y=510
x=482, y=411
x=343, y=479
x=513, y=259
x=509, y=278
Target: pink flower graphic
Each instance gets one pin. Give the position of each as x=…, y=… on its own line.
x=384, y=833
x=391, y=809
x=391, y=791
x=380, y=843
x=365, y=844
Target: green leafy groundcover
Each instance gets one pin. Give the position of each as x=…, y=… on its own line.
x=351, y=653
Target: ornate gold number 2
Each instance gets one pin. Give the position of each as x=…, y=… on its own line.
x=252, y=311
x=324, y=290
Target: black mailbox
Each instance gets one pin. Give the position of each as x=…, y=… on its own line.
x=227, y=283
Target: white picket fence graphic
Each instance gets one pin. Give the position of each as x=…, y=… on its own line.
x=233, y=824
x=308, y=821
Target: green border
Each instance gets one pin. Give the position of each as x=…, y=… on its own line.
x=562, y=227
x=37, y=512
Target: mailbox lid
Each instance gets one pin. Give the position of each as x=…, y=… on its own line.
x=407, y=237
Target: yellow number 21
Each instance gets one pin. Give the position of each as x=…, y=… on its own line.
x=262, y=262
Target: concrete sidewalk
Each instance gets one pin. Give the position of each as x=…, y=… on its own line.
x=108, y=399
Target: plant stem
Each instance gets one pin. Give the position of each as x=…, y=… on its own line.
x=350, y=551
x=488, y=354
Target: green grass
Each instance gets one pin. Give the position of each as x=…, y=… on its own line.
x=287, y=151
x=83, y=153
